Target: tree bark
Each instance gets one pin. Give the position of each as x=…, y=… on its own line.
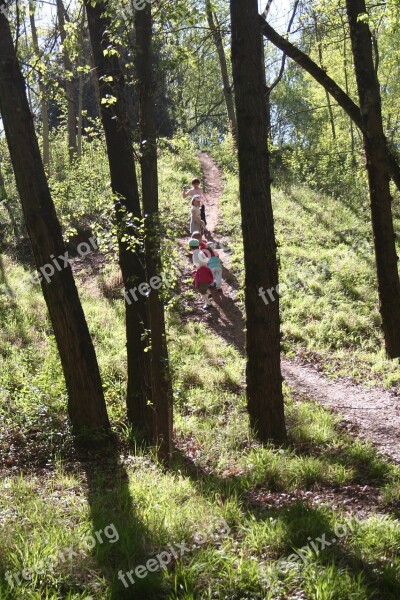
x=263, y=373
x=160, y=373
x=69, y=85
x=378, y=175
x=6, y=201
x=346, y=83
x=86, y=405
x=42, y=91
x=80, y=86
x=127, y=213
x=321, y=63
x=217, y=37
x=328, y=83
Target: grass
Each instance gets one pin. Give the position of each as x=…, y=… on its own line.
x=59, y=497
x=329, y=307
x=258, y=521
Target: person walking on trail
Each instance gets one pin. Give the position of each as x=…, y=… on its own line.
x=214, y=263
x=196, y=223
x=202, y=275
x=203, y=278
x=196, y=191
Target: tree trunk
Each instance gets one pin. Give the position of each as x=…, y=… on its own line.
x=327, y=82
x=80, y=114
x=217, y=37
x=347, y=87
x=42, y=91
x=321, y=63
x=86, y=406
x=69, y=85
x=263, y=374
x=6, y=201
x=80, y=87
x=378, y=175
x=125, y=187
x=160, y=373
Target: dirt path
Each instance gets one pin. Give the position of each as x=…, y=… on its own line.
x=373, y=413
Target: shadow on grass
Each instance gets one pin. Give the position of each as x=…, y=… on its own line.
x=307, y=529
x=312, y=537
x=111, y=502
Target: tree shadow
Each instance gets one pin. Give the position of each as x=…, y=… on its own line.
x=311, y=536
x=340, y=237
x=308, y=530
x=228, y=322
x=112, y=502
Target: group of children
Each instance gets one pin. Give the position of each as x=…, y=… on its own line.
x=208, y=266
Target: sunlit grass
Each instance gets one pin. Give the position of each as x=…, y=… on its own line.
x=54, y=497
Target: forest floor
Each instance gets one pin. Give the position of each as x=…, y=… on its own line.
x=373, y=414
x=314, y=519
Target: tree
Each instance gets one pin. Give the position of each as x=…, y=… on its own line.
x=378, y=175
x=160, y=374
x=263, y=373
x=69, y=84
x=217, y=37
x=321, y=76
x=86, y=405
x=42, y=89
x=321, y=64
x=127, y=211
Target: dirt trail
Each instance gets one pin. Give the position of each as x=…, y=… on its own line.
x=373, y=413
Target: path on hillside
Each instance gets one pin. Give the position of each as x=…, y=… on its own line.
x=373, y=413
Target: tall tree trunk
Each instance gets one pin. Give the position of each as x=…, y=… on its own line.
x=160, y=373
x=277, y=80
x=42, y=91
x=127, y=209
x=86, y=406
x=263, y=375
x=80, y=87
x=217, y=37
x=28, y=89
x=328, y=83
x=378, y=175
x=321, y=64
x=6, y=201
x=69, y=85
x=346, y=85
x=80, y=114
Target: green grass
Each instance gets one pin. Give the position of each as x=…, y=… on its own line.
x=55, y=496
x=329, y=308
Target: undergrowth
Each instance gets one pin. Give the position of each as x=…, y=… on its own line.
x=257, y=522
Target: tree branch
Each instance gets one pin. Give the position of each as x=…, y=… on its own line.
x=329, y=84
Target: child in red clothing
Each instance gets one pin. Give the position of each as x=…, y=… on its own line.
x=203, y=278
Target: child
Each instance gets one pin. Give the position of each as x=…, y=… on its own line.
x=214, y=263
x=196, y=191
x=195, y=220
x=202, y=242
x=203, y=278
x=199, y=258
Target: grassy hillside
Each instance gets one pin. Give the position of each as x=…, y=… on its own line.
x=329, y=303
x=234, y=512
